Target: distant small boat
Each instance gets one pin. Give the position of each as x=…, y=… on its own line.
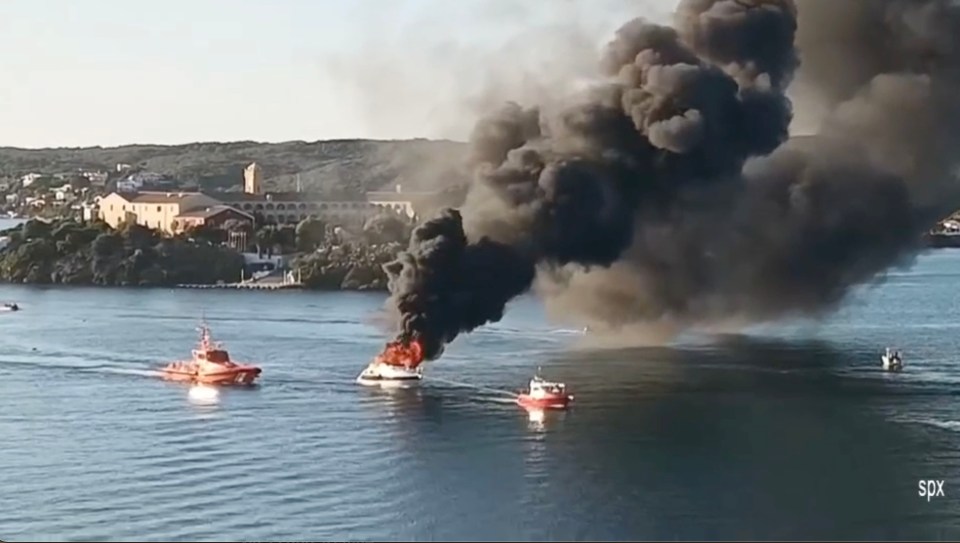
x=543, y=394
x=10, y=307
x=891, y=361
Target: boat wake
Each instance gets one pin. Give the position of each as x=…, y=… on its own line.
x=92, y=369
x=130, y=371
x=451, y=382
x=952, y=425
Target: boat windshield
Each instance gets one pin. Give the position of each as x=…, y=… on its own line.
x=218, y=356
x=545, y=386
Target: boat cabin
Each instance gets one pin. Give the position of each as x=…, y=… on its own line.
x=540, y=387
x=210, y=351
x=217, y=356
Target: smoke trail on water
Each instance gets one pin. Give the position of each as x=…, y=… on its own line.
x=669, y=192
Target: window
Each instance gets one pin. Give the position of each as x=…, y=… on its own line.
x=159, y=209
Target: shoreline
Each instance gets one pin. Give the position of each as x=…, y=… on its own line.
x=226, y=287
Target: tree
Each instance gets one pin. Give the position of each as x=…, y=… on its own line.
x=286, y=238
x=35, y=228
x=106, y=244
x=236, y=225
x=210, y=234
x=311, y=234
x=386, y=228
x=266, y=237
x=79, y=182
x=137, y=235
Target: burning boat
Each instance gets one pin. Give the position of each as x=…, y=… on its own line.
x=399, y=363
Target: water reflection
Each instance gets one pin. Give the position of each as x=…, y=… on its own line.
x=203, y=395
x=537, y=417
x=747, y=436
x=735, y=440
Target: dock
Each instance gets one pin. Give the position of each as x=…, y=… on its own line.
x=271, y=281
x=247, y=285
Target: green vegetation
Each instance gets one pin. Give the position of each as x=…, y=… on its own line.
x=66, y=252
x=351, y=262
x=344, y=167
x=347, y=267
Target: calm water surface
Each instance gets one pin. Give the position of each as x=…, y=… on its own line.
x=782, y=432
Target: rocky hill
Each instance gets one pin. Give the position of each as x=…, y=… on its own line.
x=348, y=167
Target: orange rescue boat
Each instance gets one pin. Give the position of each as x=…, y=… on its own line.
x=543, y=394
x=211, y=365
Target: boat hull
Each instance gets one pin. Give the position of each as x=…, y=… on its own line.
x=891, y=364
x=240, y=376
x=386, y=375
x=553, y=401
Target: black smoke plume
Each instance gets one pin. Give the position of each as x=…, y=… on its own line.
x=670, y=191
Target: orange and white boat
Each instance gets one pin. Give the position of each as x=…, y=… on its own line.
x=211, y=365
x=543, y=394
x=398, y=364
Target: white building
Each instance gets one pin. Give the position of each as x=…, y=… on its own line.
x=30, y=179
x=129, y=185
x=97, y=178
x=63, y=193
x=88, y=212
x=406, y=204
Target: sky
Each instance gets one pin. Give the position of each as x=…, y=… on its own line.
x=115, y=72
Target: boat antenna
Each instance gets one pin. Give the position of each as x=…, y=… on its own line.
x=203, y=324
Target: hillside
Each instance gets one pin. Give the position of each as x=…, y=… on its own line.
x=335, y=166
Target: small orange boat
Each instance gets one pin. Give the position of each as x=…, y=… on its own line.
x=211, y=365
x=543, y=394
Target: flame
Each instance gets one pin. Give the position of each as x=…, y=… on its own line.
x=400, y=353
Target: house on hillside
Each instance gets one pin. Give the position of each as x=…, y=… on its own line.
x=215, y=216
x=157, y=210
x=97, y=178
x=406, y=204
x=29, y=179
x=293, y=207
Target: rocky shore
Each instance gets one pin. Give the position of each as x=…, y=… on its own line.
x=70, y=253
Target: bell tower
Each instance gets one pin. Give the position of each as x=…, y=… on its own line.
x=252, y=178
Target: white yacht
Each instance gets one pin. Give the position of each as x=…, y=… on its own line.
x=892, y=360
x=378, y=373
